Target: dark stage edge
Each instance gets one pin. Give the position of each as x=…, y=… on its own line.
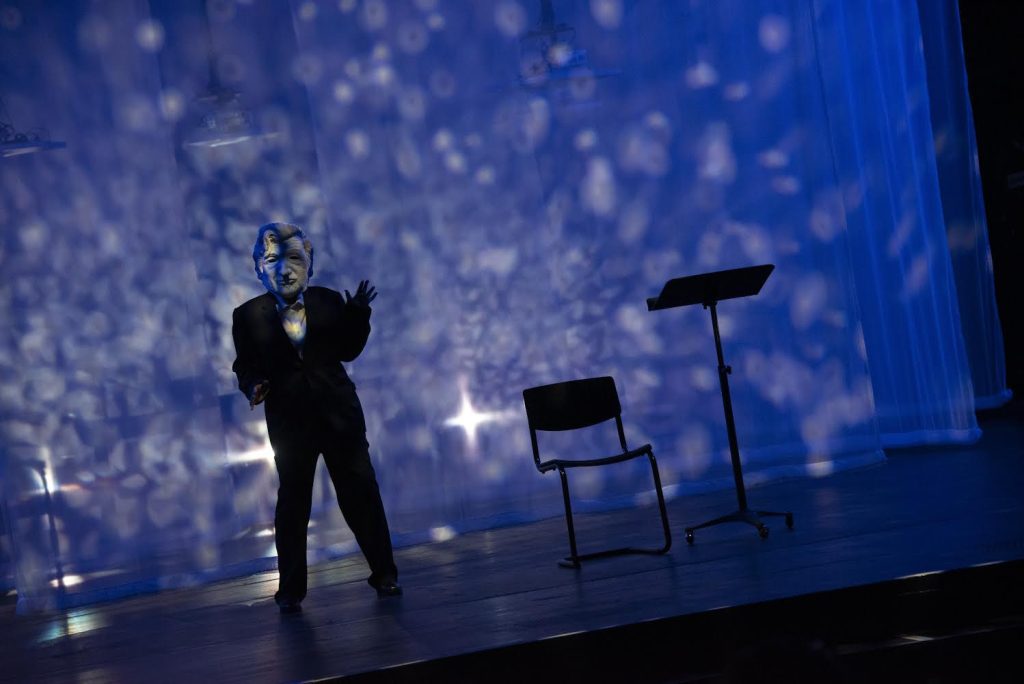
x=955, y=626
x=907, y=571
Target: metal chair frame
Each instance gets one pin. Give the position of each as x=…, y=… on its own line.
x=578, y=404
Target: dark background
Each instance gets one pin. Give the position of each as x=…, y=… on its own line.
x=995, y=76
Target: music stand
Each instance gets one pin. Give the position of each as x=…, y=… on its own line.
x=707, y=290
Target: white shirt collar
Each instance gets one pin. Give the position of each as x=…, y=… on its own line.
x=282, y=306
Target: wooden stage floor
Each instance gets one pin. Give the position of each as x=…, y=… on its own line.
x=499, y=597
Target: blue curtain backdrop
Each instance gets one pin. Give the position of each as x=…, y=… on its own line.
x=963, y=205
x=514, y=203
x=881, y=133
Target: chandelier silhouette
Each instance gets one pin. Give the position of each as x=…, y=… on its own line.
x=14, y=143
x=218, y=115
x=550, y=60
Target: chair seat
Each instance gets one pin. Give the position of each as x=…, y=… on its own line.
x=545, y=466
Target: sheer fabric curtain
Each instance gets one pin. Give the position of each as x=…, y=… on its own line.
x=875, y=83
x=524, y=222
x=956, y=153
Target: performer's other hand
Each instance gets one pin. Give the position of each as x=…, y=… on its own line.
x=259, y=393
x=365, y=294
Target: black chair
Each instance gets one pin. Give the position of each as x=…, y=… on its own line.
x=578, y=404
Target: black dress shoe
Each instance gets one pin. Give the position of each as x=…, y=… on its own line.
x=387, y=588
x=289, y=606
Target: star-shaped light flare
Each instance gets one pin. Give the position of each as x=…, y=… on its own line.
x=469, y=418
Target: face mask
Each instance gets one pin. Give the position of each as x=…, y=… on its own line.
x=285, y=270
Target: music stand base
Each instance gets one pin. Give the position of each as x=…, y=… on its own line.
x=745, y=515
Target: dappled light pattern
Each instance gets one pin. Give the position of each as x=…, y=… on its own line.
x=515, y=186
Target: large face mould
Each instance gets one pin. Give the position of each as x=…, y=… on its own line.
x=285, y=266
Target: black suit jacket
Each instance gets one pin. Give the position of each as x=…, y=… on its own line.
x=314, y=383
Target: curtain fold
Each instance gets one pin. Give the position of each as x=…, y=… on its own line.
x=876, y=88
x=963, y=205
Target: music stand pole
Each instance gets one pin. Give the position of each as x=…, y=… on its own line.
x=730, y=422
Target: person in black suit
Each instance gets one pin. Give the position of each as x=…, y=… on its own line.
x=290, y=344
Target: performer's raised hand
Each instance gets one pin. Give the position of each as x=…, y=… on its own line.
x=365, y=294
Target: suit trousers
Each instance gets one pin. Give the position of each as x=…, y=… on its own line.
x=347, y=458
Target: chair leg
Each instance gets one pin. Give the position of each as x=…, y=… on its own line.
x=661, y=504
x=573, y=559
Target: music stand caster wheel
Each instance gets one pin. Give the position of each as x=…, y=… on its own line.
x=789, y=520
x=689, y=537
x=762, y=531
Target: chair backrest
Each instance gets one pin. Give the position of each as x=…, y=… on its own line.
x=571, y=405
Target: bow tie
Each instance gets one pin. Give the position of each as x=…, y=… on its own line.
x=295, y=306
